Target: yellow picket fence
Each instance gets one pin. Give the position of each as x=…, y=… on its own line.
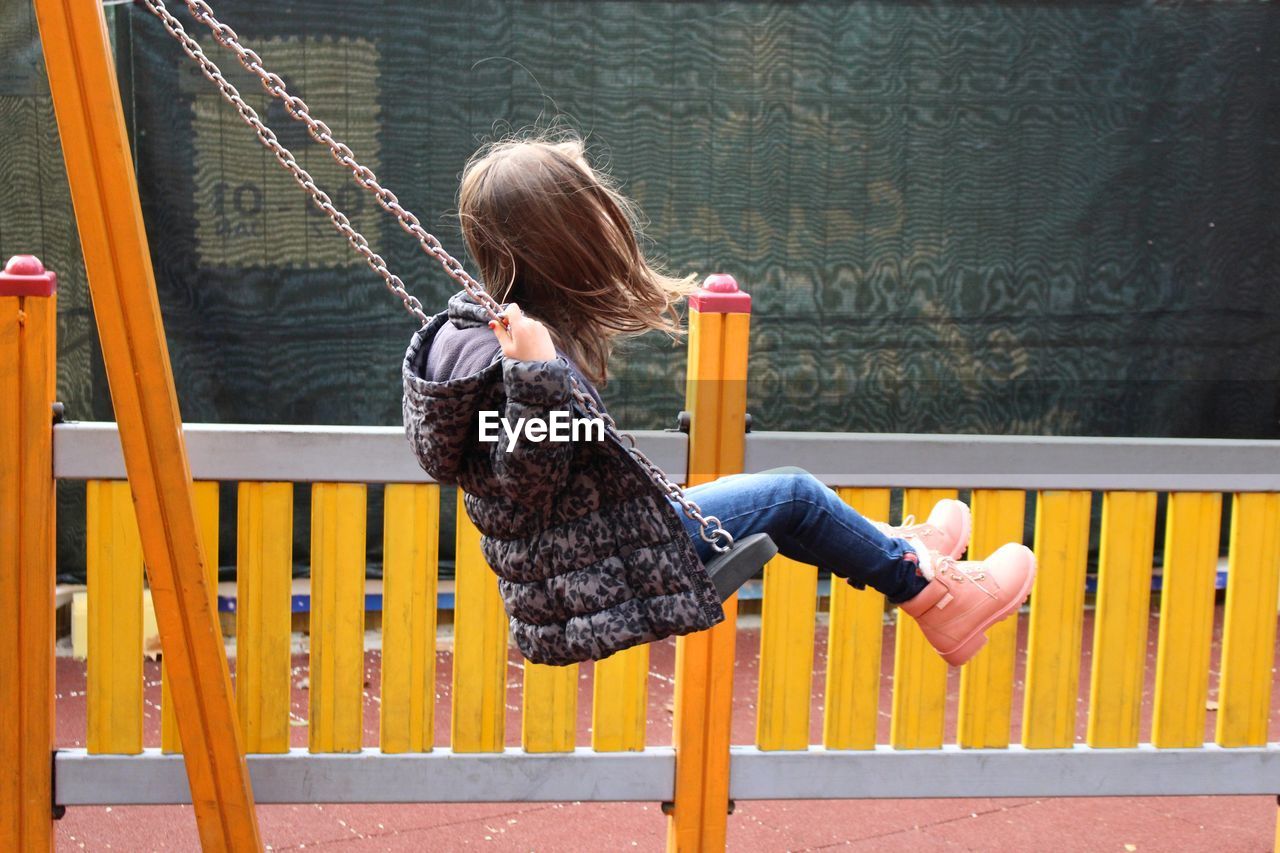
x=1050, y=713
x=787, y=656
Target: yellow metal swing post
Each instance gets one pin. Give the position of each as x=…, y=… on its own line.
x=104, y=192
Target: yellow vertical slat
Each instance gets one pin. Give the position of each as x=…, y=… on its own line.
x=1186, y=618
x=549, y=714
x=479, y=647
x=1056, y=631
x=619, y=701
x=264, y=599
x=986, y=681
x=1120, y=618
x=919, y=673
x=337, y=616
x=113, y=570
x=854, y=643
x=786, y=654
x=206, y=495
x=1249, y=629
x=410, y=554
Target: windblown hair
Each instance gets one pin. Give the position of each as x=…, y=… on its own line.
x=557, y=237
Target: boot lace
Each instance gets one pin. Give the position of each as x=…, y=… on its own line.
x=909, y=528
x=962, y=571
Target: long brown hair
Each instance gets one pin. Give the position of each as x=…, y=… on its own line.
x=556, y=236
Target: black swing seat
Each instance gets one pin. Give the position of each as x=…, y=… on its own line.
x=730, y=570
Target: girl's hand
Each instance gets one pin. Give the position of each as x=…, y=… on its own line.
x=524, y=338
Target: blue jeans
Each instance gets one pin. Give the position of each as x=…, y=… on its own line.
x=809, y=523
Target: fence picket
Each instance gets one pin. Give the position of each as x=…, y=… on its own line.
x=410, y=568
x=1249, y=629
x=1055, y=634
x=1186, y=618
x=1120, y=618
x=919, y=673
x=986, y=681
x=113, y=570
x=619, y=701
x=337, y=617
x=785, y=688
x=479, y=647
x=854, y=644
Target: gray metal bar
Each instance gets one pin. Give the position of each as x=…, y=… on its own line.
x=85, y=451
x=333, y=454
x=1022, y=462
x=442, y=776
x=516, y=776
x=886, y=773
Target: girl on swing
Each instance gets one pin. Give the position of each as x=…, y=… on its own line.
x=593, y=557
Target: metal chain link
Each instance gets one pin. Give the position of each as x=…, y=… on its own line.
x=274, y=85
x=286, y=159
x=719, y=538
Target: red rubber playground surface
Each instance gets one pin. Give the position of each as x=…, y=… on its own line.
x=1121, y=824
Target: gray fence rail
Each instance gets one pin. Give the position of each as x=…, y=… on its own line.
x=514, y=775
x=85, y=451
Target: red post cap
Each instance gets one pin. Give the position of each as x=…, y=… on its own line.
x=719, y=294
x=24, y=275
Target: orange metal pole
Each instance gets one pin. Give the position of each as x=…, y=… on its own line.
x=100, y=173
x=28, y=371
x=716, y=397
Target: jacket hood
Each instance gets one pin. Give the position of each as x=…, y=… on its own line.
x=465, y=313
x=453, y=403
x=462, y=313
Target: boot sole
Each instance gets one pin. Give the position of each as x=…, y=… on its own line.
x=970, y=647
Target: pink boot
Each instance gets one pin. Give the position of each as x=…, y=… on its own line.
x=963, y=600
x=946, y=532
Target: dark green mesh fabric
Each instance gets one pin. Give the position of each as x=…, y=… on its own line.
x=1043, y=218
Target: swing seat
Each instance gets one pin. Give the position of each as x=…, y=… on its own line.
x=730, y=570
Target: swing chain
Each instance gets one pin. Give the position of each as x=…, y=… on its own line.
x=286, y=159
x=719, y=538
x=342, y=154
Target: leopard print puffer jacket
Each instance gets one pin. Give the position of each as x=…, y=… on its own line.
x=591, y=558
